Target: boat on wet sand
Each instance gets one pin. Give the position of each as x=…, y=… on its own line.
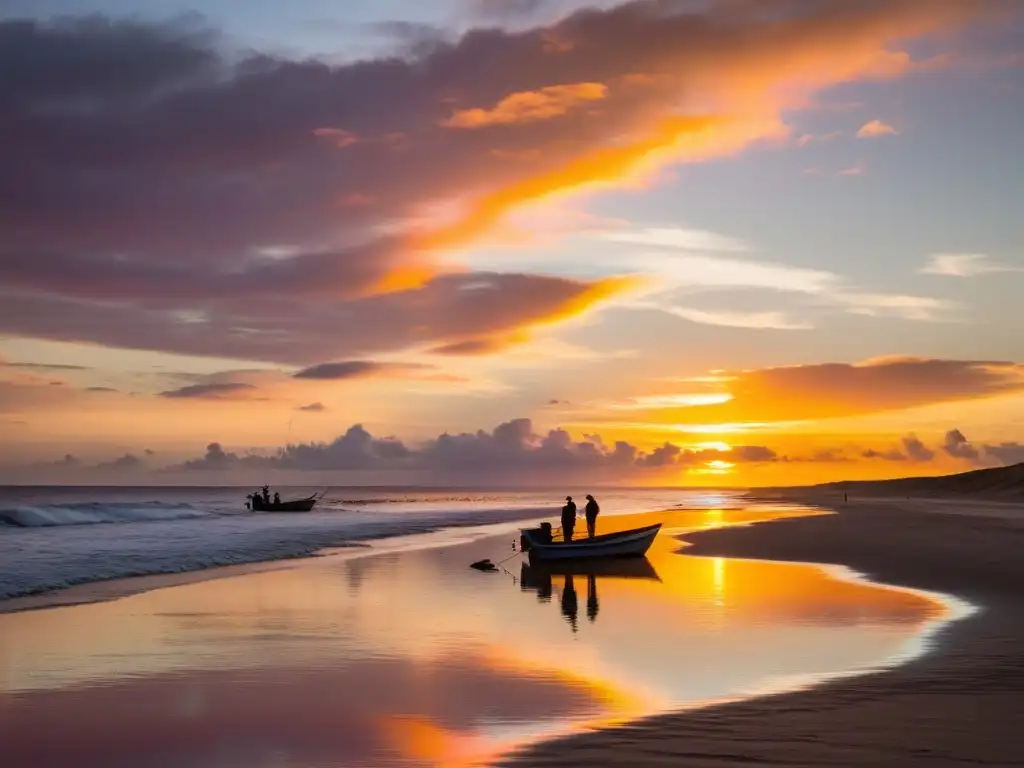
x=536, y=542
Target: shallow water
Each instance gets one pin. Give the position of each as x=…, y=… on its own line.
x=408, y=657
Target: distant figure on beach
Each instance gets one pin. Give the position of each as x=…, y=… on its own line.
x=592, y=511
x=845, y=497
x=568, y=518
x=277, y=499
x=266, y=495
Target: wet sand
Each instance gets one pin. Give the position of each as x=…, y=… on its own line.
x=961, y=704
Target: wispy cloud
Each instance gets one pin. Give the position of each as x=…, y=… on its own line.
x=965, y=265
x=669, y=401
x=875, y=129
x=854, y=170
x=763, y=320
x=678, y=238
x=678, y=264
x=529, y=106
x=214, y=391
x=361, y=369
x=807, y=138
x=922, y=308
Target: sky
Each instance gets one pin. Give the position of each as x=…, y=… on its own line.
x=659, y=242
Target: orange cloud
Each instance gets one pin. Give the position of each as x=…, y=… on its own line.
x=876, y=129
x=606, y=166
x=529, y=106
x=747, y=80
x=823, y=391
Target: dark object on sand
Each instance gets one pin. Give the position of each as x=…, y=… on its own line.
x=484, y=565
x=631, y=543
x=298, y=505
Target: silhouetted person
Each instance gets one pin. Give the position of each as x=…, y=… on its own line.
x=592, y=597
x=266, y=495
x=277, y=499
x=592, y=511
x=569, y=604
x=568, y=518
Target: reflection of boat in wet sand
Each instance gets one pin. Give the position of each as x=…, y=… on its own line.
x=631, y=543
x=537, y=577
x=615, y=567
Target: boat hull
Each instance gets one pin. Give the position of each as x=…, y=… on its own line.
x=299, y=505
x=632, y=543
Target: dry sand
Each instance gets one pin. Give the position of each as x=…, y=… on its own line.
x=961, y=704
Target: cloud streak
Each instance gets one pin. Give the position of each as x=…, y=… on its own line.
x=359, y=369
x=529, y=106
x=965, y=265
x=212, y=391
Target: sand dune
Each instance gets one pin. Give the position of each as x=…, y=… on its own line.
x=997, y=484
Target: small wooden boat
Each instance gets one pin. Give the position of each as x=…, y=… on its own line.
x=631, y=543
x=297, y=505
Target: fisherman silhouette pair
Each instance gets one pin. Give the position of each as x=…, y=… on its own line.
x=591, y=511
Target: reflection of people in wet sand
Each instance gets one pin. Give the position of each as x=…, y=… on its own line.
x=569, y=603
x=592, y=597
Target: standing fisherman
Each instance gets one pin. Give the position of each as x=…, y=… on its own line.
x=568, y=518
x=592, y=510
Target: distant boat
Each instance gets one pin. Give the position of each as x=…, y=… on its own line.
x=298, y=505
x=631, y=543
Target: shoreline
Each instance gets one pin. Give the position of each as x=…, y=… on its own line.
x=956, y=703
x=305, y=544
x=105, y=590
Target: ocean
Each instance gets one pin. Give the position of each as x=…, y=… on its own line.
x=56, y=537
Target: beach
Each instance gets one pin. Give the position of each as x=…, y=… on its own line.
x=959, y=704
x=396, y=653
